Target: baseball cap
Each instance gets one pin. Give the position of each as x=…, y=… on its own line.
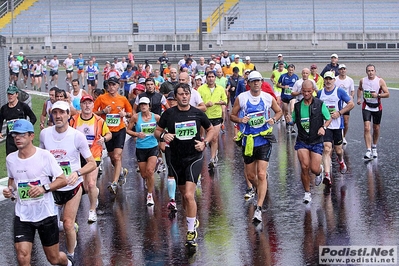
x=254, y=75
x=86, y=97
x=12, y=90
x=113, y=80
x=198, y=77
x=334, y=55
x=128, y=66
x=115, y=58
x=329, y=74
x=313, y=66
x=280, y=62
x=341, y=66
x=21, y=52
x=107, y=62
x=61, y=105
x=99, y=91
x=279, y=55
x=139, y=87
x=144, y=100
x=228, y=63
x=247, y=71
x=171, y=96
x=212, y=62
x=22, y=126
x=164, y=51
x=247, y=58
x=237, y=56
x=141, y=80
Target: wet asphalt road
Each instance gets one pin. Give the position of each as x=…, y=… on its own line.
x=362, y=209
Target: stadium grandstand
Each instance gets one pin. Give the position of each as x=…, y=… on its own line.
x=47, y=25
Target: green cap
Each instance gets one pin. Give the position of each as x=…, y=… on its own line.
x=12, y=90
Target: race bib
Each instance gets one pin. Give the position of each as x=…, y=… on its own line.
x=256, y=120
x=148, y=128
x=10, y=124
x=305, y=123
x=66, y=168
x=331, y=107
x=70, y=67
x=186, y=130
x=91, y=75
x=15, y=69
x=23, y=189
x=288, y=91
x=367, y=94
x=113, y=120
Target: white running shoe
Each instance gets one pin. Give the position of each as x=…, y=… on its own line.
x=368, y=155
x=150, y=200
x=307, y=198
x=374, y=152
x=92, y=216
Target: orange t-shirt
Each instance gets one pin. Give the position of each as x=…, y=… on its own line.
x=118, y=103
x=166, y=73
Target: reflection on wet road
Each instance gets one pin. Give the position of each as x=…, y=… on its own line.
x=362, y=209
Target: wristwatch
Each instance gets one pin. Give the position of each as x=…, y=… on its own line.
x=79, y=173
x=206, y=143
x=46, y=188
x=162, y=135
x=324, y=128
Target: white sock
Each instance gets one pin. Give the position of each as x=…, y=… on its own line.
x=190, y=223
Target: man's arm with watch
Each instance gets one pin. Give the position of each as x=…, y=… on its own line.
x=90, y=166
x=59, y=182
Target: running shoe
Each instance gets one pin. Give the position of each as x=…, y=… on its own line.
x=342, y=167
x=327, y=180
x=257, y=214
x=92, y=216
x=113, y=187
x=211, y=164
x=250, y=193
x=150, y=200
x=172, y=205
x=122, y=177
x=368, y=155
x=307, y=198
x=196, y=224
x=374, y=152
x=71, y=259
x=191, y=239
x=161, y=167
x=344, y=142
x=319, y=177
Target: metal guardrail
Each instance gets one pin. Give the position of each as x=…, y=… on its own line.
x=265, y=56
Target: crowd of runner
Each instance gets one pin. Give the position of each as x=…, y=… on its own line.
x=174, y=113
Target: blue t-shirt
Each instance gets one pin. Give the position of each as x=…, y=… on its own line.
x=79, y=63
x=285, y=80
x=127, y=75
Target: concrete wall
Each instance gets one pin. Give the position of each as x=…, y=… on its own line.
x=248, y=41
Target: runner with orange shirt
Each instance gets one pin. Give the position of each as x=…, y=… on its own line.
x=113, y=107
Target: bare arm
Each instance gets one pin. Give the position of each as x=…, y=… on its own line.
x=359, y=92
